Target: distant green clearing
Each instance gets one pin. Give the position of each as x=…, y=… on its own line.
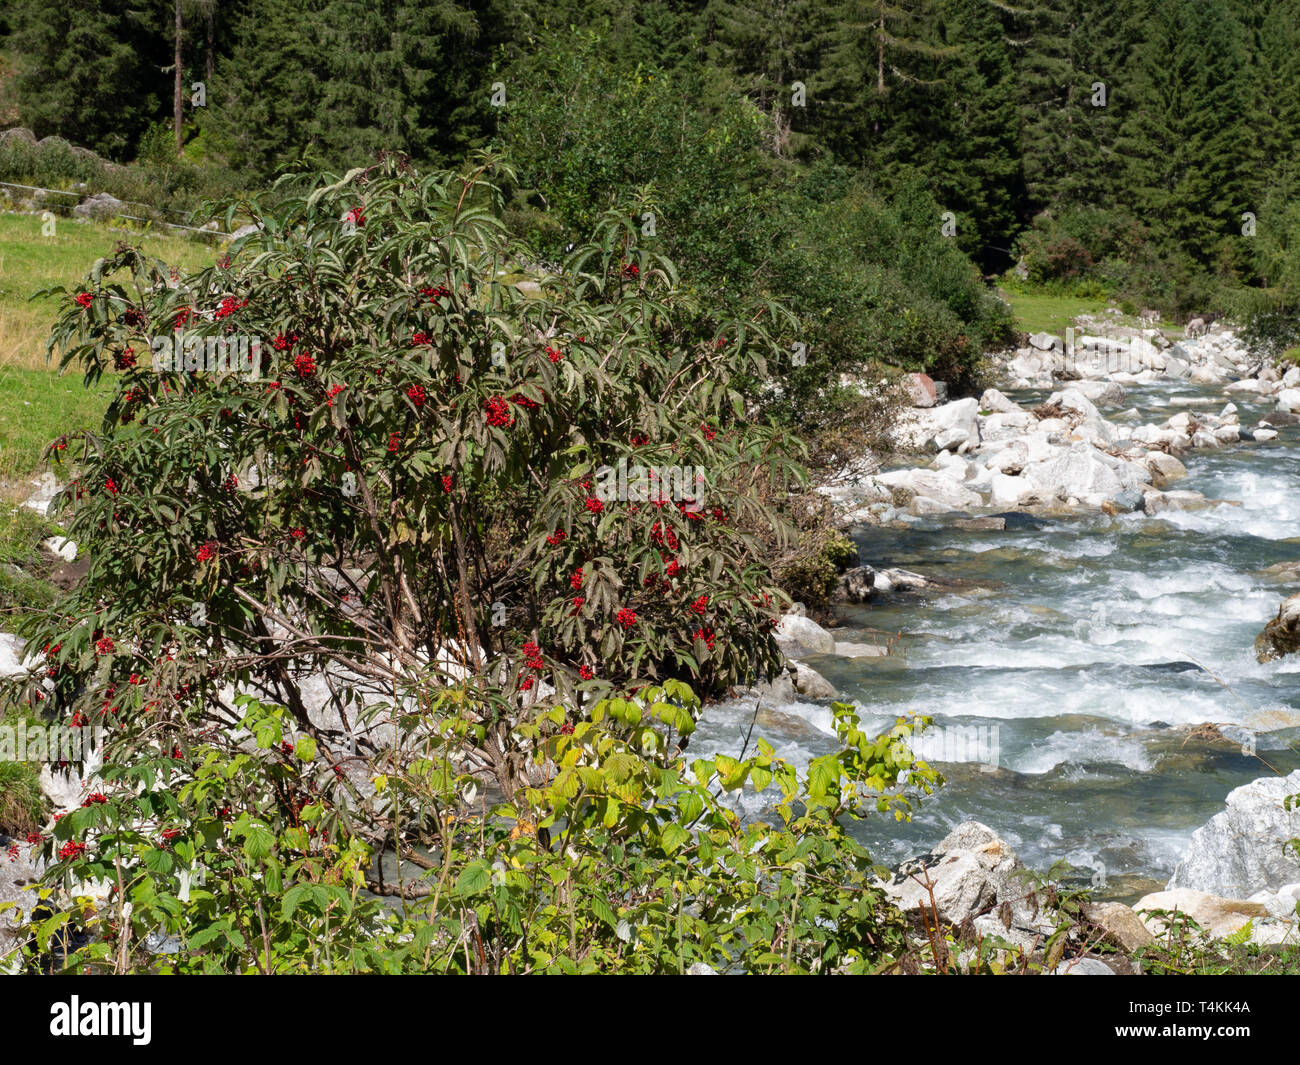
x=1042, y=313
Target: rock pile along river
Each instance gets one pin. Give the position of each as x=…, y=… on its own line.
x=1091, y=652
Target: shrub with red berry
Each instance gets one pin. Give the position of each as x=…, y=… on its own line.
x=419, y=443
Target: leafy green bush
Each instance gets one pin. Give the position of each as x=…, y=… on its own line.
x=871, y=280
x=158, y=187
x=404, y=501
x=625, y=859
x=416, y=477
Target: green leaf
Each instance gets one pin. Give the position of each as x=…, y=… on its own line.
x=259, y=842
x=671, y=837
x=474, y=879
x=158, y=860
x=602, y=910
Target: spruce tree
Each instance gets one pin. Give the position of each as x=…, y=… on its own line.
x=89, y=71
x=1184, y=127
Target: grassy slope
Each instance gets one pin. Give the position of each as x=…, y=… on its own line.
x=36, y=404
x=1040, y=313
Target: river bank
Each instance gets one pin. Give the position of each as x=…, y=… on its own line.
x=1095, y=636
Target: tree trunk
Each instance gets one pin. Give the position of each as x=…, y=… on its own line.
x=880, y=74
x=208, y=64
x=177, y=112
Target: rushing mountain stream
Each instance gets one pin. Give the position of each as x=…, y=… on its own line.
x=1087, y=651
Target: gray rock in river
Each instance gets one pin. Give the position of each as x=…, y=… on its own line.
x=797, y=635
x=1241, y=850
x=811, y=684
x=795, y=681
x=973, y=872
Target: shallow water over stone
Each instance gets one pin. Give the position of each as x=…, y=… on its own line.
x=1095, y=650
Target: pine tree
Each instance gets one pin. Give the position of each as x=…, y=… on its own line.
x=963, y=135
x=1274, y=110
x=884, y=63
x=1183, y=129
x=1068, y=69
x=270, y=90
x=336, y=81
x=88, y=71
x=770, y=45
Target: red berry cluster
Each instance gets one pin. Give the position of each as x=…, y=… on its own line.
x=207, y=551
x=555, y=538
x=417, y=395
x=554, y=354
x=124, y=360
x=355, y=217
x=496, y=411
x=575, y=578
x=594, y=505
x=626, y=617
x=133, y=317
x=700, y=605
x=84, y=299
x=586, y=673
x=72, y=849
x=304, y=365
x=421, y=338
x=284, y=341
x=104, y=646
x=394, y=441
x=435, y=293
x=664, y=536
x=706, y=635
x=229, y=306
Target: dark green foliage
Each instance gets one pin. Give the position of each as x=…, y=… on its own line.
x=1182, y=140
x=88, y=71
x=1174, y=118
x=870, y=276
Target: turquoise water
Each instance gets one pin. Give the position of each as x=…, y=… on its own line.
x=1090, y=650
